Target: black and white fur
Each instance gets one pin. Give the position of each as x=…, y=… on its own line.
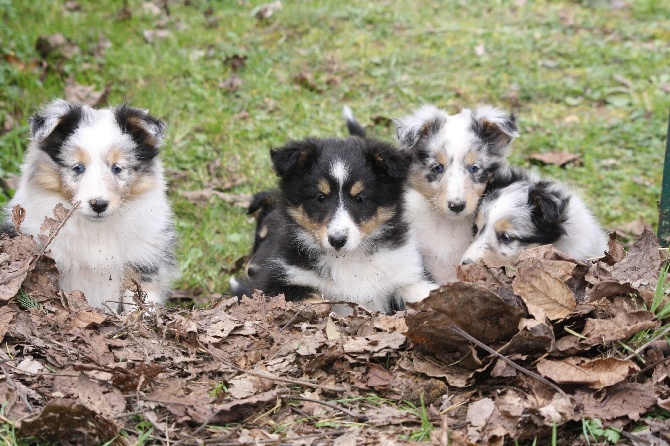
x=338, y=228
x=453, y=158
x=107, y=159
x=521, y=210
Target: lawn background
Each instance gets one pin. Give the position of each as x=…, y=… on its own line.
x=586, y=77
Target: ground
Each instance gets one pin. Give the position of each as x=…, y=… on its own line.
x=233, y=79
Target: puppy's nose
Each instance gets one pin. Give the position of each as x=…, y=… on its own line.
x=252, y=270
x=98, y=205
x=337, y=241
x=466, y=262
x=456, y=206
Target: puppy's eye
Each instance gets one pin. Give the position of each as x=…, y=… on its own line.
x=475, y=230
x=78, y=168
x=321, y=198
x=358, y=199
x=474, y=168
x=504, y=238
x=438, y=168
x=116, y=169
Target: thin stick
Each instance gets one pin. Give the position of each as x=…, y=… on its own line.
x=52, y=235
x=646, y=344
x=464, y=334
x=272, y=377
x=359, y=418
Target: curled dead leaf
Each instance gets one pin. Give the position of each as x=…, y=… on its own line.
x=595, y=373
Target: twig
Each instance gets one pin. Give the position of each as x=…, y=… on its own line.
x=635, y=438
x=272, y=377
x=646, y=344
x=12, y=385
x=52, y=235
x=359, y=418
x=463, y=333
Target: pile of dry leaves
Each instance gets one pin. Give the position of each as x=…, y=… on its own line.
x=549, y=342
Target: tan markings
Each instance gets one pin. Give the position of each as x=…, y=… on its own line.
x=473, y=192
x=114, y=157
x=317, y=230
x=324, y=186
x=139, y=123
x=82, y=157
x=441, y=158
x=263, y=232
x=357, y=188
x=435, y=193
x=142, y=185
x=300, y=216
x=471, y=158
x=480, y=221
x=492, y=129
x=48, y=178
x=303, y=157
x=503, y=225
x=382, y=215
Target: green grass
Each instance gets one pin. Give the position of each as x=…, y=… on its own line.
x=588, y=79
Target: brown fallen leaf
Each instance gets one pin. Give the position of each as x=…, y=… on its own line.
x=65, y=419
x=489, y=318
x=267, y=10
x=595, y=373
x=545, y=296
x=641, y=265
x=86, y=94
x=306, y=79
x=560, y=159
x=56, y=45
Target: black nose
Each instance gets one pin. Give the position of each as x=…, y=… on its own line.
x=252, y=270
x=466, y=262
x=99, y=206
x=456, y=206
x=337, y=241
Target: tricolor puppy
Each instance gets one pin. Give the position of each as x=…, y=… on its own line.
x=453, y=158
x=521, y=210
x=338, y=229
x=122, y=230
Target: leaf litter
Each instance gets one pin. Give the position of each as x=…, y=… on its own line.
x=504, y=354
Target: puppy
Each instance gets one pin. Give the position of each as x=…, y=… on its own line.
x=338, y=227
x=520, y=210
x=122, y=231
x=453, y=158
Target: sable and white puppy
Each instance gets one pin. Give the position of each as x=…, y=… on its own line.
x=520, y=211
x=453, y=158
x=122, y=230
x=338, y=227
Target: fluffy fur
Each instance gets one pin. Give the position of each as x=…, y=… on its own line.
x=122, y=230
x=337, y=228
x=453, y=158
x=521, y=210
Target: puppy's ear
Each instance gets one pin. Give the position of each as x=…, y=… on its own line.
x=145, y=130
x=548, y=203
x=388, y=160
x=496, y=128
x=56, y=116
x=293, y=155
x=54, y=124
x=426, y=121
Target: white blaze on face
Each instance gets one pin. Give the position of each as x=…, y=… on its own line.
x=97, y=183
x=341, y=227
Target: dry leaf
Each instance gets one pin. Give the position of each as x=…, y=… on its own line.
x=561, y=159
x=596, y=373
x=545, y=296
x=86, y=94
